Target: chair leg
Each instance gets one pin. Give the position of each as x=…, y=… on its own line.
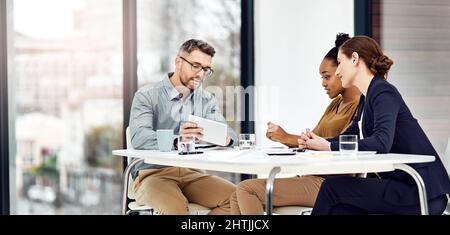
x=126, y=178
x=306, y=212
x=447, y=209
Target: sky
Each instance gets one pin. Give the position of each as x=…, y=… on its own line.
x=45, y=18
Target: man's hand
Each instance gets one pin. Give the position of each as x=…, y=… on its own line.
x=228, y=142
x=190, y=130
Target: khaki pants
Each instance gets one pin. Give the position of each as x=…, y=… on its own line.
x=168, y=190
x=250, y=196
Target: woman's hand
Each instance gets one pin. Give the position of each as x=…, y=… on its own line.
x=302, y=141
x=276, y=133
x=315, y=142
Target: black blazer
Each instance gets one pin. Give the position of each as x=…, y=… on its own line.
x=389, y=127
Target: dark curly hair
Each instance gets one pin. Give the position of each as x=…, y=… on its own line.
x=332, y=54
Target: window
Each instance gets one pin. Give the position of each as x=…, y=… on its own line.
x=163, y=25
x=66, y=71
x=65, y=64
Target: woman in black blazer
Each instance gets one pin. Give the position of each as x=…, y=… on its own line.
x=387, y=127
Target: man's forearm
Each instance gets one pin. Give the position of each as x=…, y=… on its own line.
x=143, y=138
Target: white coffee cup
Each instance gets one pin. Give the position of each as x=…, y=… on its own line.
x=165, y=139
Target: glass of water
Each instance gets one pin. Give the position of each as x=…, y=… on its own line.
x=348, y=144
x=247, y=141
x=186, y=146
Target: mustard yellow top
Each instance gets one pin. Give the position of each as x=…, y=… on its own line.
x=333, y=122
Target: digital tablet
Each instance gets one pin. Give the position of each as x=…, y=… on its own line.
x=213, y=132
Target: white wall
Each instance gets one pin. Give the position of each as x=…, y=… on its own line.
x=291, y=39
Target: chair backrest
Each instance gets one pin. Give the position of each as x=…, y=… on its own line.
x=130, y=180
x=128, y=137
x=446, y=158
x=129, y=145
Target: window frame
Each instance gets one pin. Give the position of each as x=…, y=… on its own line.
x=4, y=123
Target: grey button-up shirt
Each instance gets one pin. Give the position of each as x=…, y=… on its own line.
x=161, y=107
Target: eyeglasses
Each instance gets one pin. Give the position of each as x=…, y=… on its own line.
x=196, y=68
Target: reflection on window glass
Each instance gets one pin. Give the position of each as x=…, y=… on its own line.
x=163, y=25
x=67, y=73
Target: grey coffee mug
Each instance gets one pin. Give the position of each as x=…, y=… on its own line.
x=165, y=139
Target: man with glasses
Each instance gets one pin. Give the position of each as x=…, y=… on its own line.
x=167, y=105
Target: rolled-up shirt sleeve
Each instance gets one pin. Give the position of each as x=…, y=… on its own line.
x=141, y=123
